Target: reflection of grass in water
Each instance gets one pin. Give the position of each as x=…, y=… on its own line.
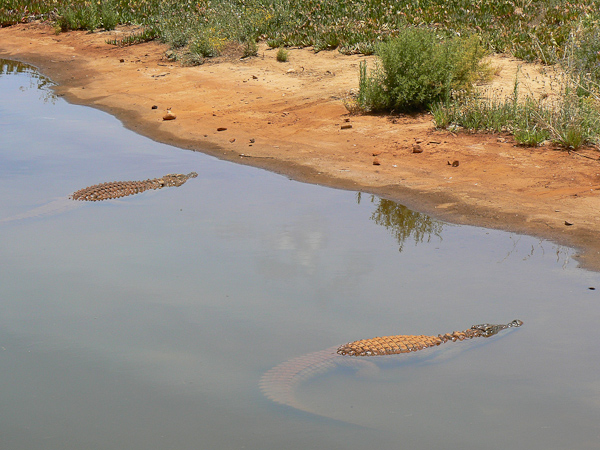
x=36, y=80
x=404, y=223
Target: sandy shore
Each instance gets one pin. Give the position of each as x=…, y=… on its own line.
x=290, y=118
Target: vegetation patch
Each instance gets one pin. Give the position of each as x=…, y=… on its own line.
x=538, y=29
x=451, y=33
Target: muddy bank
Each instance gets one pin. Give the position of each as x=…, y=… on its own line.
x=290, y=118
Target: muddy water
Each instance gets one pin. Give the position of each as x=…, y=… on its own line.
x=147, y=322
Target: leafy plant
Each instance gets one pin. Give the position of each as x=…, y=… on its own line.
x=531, y=137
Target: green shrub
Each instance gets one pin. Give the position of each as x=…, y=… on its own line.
x=282, y=55
x=417, y=69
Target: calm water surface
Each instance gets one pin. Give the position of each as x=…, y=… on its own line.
x=147, y=322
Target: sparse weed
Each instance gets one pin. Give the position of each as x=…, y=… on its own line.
x=250, y=48
x=569, y=120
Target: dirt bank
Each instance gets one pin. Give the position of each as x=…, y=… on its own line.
x=290, y=118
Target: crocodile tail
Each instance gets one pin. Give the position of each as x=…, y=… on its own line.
x=279, y=383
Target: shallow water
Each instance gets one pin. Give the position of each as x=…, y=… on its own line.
x=147, y=322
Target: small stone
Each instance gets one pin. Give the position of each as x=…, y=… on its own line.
x=252, y=140
x=567, y=223
x=346, y=126
x=221, y=129
x=154, y=107
x=418, y=141
x=232, y=140
x=347, y=119
x=169, y=115
x=376, y=162
x=376, y=153
x=254, y=77
x=416, y=148
x=122, y=60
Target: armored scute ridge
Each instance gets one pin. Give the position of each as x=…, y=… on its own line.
x=118, y=189
x=392, y=345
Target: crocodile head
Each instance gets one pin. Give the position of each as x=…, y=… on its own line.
x=488, y=329
x=176, y=179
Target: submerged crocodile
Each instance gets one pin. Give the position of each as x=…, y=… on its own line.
x=279, y=383
x=104, y=191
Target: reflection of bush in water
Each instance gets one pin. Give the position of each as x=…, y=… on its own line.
x=37, y=80
x=404, y=223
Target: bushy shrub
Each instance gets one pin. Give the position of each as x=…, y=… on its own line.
x=417, y=69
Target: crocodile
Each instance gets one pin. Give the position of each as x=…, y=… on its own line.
x=279, y=383
x=103, y=191
x=118, y=189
